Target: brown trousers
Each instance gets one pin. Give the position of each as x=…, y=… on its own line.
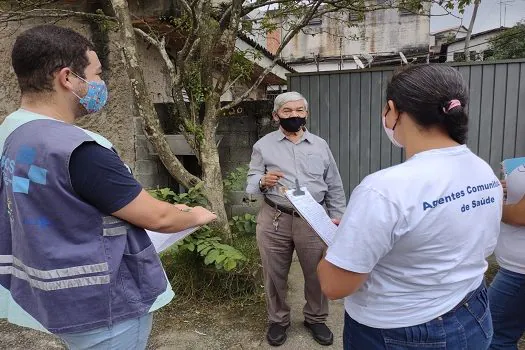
x=276, y=248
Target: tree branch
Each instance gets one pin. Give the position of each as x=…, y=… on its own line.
x=161, y=47
x=143, y=106
x=225, y=16
x=194, y=12
x=306, y=18
x=14, y=16
x=259, y=4
x=176, y=84
x=229, y=37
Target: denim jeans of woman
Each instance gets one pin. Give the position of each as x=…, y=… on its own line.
x=131, y=334
x=507, y=306
x=467, y=327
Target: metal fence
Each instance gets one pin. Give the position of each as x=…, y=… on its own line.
x=345, y=110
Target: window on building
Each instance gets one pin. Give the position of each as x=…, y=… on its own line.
x=315, y=22
x=488, y=54
x=272, y=93
x=354, y=16
x=459, y=57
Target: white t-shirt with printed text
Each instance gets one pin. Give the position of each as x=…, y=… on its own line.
x=422, y=231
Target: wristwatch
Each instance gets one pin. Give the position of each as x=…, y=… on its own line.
x=261, y=188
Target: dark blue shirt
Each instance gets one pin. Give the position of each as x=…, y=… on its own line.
x=99, y=176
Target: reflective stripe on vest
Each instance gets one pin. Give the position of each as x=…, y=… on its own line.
x=121, y=227
x=19, y=270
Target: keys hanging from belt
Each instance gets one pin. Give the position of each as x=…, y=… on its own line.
x=275, y=221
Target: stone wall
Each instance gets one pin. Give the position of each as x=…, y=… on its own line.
x=240, y=130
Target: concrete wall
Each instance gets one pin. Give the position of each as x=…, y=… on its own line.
x=385, y=31
x=114, y=121
x=240, y=131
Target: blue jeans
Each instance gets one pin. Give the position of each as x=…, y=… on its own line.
x=127, y=335
x=507, y=306
x=467, y=326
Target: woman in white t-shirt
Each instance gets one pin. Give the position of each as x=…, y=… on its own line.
x=410, y=252
x=507, y=290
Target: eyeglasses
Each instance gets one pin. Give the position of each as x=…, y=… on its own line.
x=288, y=112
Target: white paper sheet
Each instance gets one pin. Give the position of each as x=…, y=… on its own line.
x=514, y=170
x=314, y=214
x=162, y=241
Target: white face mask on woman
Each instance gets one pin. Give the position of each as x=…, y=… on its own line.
x=390, y=133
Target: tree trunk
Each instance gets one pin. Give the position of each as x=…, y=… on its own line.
x=143, y=106
x=209, y=154
x=213, y=186
x=469, y=32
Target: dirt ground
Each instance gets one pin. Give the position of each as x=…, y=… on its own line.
x=208, y=327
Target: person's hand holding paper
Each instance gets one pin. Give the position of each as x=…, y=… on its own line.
x=162, y=241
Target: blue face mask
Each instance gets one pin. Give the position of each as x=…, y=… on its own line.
x=96, y=97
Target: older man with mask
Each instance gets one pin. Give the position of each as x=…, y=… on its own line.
x=278, y=159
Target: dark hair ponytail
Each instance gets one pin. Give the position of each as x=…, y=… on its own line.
x=455, y=122
x=429, y=94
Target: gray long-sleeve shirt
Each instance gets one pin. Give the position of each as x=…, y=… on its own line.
x=310, y=161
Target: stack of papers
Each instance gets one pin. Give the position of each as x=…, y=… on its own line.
x=314, y=213
x=162, y=241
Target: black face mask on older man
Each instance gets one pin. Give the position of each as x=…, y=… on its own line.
x=292, y=124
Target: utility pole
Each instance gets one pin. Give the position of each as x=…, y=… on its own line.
x=503, y=3
x=470, y=28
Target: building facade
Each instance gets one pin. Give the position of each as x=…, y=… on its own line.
x=334, y=41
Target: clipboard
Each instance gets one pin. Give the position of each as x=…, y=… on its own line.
x=514, y=174
x=313, y=212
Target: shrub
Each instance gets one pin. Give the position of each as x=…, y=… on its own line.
x=195, y=278
x=193, y=197
x=202, y=267
x=244, y=224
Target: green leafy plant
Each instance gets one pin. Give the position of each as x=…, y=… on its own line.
x=236, y=179
x=202, y=267
x=192, y=279
x=203, y=242
x=244, y=224
x=193, y=197
x=206, y=245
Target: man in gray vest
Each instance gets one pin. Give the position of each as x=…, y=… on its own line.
x=75, y=259
x=279, y=159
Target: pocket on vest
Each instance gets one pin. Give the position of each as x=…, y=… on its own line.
x=141, y=275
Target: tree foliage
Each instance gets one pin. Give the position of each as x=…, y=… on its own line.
x=509, y=44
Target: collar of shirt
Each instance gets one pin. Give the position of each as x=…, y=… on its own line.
x=307, y=136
